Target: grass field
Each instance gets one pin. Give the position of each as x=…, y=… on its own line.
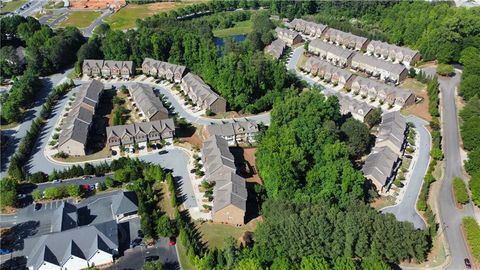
x=182, y=257
x=125, y=18
x=215, y=234
x=12, y=5
x=240, y=28
x=80, y=19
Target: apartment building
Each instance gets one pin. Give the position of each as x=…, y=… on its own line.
x=237, y=133
x=334, y=54
x=328, y=72
x=382, y=70
x=146, y=102
x=393, y=53
x=288, y=36
x=202, y=95
x=347, y=40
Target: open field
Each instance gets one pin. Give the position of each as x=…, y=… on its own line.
x=12, y=5
x=80, y=19
x=125, y=18
x=240, y=28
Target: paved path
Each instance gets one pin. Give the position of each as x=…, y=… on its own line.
x=15, y=135
x=450, y=216
x=87, y=32
x=406, y=209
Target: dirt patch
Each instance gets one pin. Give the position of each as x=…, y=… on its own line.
x=245, y=159
x=195, y=139
x=7, y=210
x=420, y=109
x=383, y=201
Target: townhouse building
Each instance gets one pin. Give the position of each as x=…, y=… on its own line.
x=347, y=40
x=276, y=48
x=163, y=70
x=336, y=55
x=108, y=68
x=237, y=133
x=314, y=30
x=92, y=67
x=146, y=102
x=288, y=36
x=380, y=167
x=393, y=53
x=140, y=133
x=382, y=70
x=392, y=132
x=385, y=93
x=328, y=72
x=202, y=95
x=230, y=192
x=77, y=125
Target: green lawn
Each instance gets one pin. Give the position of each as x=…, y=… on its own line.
x=214, y=235
x=80, y=19
x=125, y=18
x=12, y=5
x=240, y=28
x=182, y=257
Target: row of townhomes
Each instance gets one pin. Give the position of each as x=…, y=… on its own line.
x=383, y=92
x=384, y=160
x=358, y=109
x=314, y=30
x=288, y=36
x=141, y=133
x=146, y=102
x=365, y=87
x=393, y=53
x=164, y=70
x=385, y=71
x=238, y=133
x=382, y=50
x=317, y=67
x=78, y=124
x=276, y=48
x=71, y=246
x=202, y=95
x=108, y=68
x=332, y=53
x=230, y=192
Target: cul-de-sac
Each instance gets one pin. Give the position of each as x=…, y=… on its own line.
x=239, y=134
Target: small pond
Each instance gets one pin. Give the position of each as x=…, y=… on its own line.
x=220, y=42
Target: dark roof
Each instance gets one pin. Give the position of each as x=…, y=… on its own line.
x=64, y=217
x=124, y=202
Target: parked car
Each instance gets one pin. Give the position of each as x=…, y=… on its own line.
x=37, y=206
x=4, y=251
x=21, y=196
x=86, y=177
x=408, y=156
x=56, y=181
x=140, y=233
x=467, y=263
x=92, y=187
x=173, y=241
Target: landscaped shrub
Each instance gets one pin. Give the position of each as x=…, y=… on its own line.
x=460, y=190
x=445, y=70
x=472, y=231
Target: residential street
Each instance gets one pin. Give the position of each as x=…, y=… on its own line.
x=19, y=132
x=406, y=209
x=87, y=32
x=450, y=216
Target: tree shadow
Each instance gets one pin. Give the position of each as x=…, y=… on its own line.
x=193, y=232
x=15, y=239
x=85, y=216
x=19, y=262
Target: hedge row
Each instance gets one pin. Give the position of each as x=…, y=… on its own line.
x=460, y=191
x=24, y=150
x=472, y=231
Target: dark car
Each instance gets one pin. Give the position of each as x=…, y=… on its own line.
x=37, y=206
x=173, y=241
x=151, y=258
x=140, y=233
x=135, y=242
x=467, y=263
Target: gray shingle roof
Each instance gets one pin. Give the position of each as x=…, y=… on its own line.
x=82, y=242
x=386, y=50
x=344, y=38
x=276, y=48
x=380, y=164
x=322, y=66
x=230, y=129
x=161, y=126
x=64, y=217
x=376, y=63
x=124, y=202
x=201, y=93
x=230, y=190
x=146, y=100
x=216, y=156
x=392, y=128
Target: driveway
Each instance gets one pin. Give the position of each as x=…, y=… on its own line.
x=16, y=134
x=406, y=209
x=450, y=216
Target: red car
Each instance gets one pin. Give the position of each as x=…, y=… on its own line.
x=467, y=263
x=172, y=241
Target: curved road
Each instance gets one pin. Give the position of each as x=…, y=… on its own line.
x=450, y=216
x=406, y=210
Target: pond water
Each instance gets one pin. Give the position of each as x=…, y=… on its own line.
x=220, y=42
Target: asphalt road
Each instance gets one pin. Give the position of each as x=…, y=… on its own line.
x=87, y=32
x=406, y=209
x=35, y=6
x=450, y=216
x=19, y=132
